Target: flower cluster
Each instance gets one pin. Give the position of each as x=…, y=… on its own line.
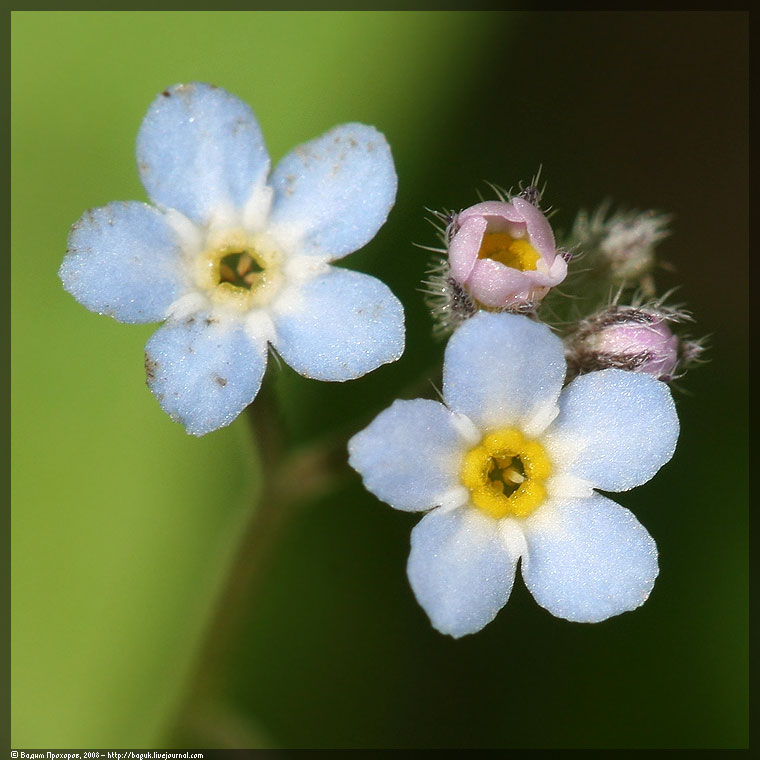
x=507, y=467
x=501, y=256
x=234, y=259
x=533, y=421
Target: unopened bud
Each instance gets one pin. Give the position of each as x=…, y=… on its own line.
x=638, y=339
x=624, y=243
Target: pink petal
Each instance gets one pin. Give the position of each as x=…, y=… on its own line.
x=495, y=209
x=464, y=247
x=494, y=284
x=539, y=230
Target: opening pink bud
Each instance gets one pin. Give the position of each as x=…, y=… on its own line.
x=504, y=254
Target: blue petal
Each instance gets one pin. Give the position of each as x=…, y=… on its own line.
x=588, y=559
x=200, y=150
x=203, y=372
x=615, y=429
x=343, y=325
x=460, y=569
x=333, y=194
x=503, y=369
x=124, y=260
x=410, y=455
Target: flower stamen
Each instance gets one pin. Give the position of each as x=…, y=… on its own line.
x=240, y=269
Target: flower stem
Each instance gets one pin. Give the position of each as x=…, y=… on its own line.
x=293, y=478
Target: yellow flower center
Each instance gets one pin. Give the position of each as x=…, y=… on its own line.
x=516, y=253
x=505, y=473
x=240, y=272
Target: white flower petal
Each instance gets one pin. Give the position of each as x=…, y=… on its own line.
x=333, y=194
x=200, y=151
x=204, y=372
x=588, y=559
x=124, y=260
x=615, y=429
x=410, y=455
x=460, y=569
x=343, y=325
x=503, y=369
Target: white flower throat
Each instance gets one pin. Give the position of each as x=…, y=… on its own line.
x=240, y=270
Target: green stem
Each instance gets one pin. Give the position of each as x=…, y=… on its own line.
x=319, y=467
x=292, y=479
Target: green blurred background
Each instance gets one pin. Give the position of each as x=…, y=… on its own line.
x=125, y=529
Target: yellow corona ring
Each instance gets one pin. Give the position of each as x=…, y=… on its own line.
x=516, y=253
x=505, y=473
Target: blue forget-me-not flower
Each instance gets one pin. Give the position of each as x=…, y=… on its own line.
x=233, y=259
x=508, y=466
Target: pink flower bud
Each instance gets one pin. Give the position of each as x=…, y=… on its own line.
x=627, y=337
x=504, y=254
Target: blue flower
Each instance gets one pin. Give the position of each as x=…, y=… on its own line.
x=507, y=466
x=234, y=259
